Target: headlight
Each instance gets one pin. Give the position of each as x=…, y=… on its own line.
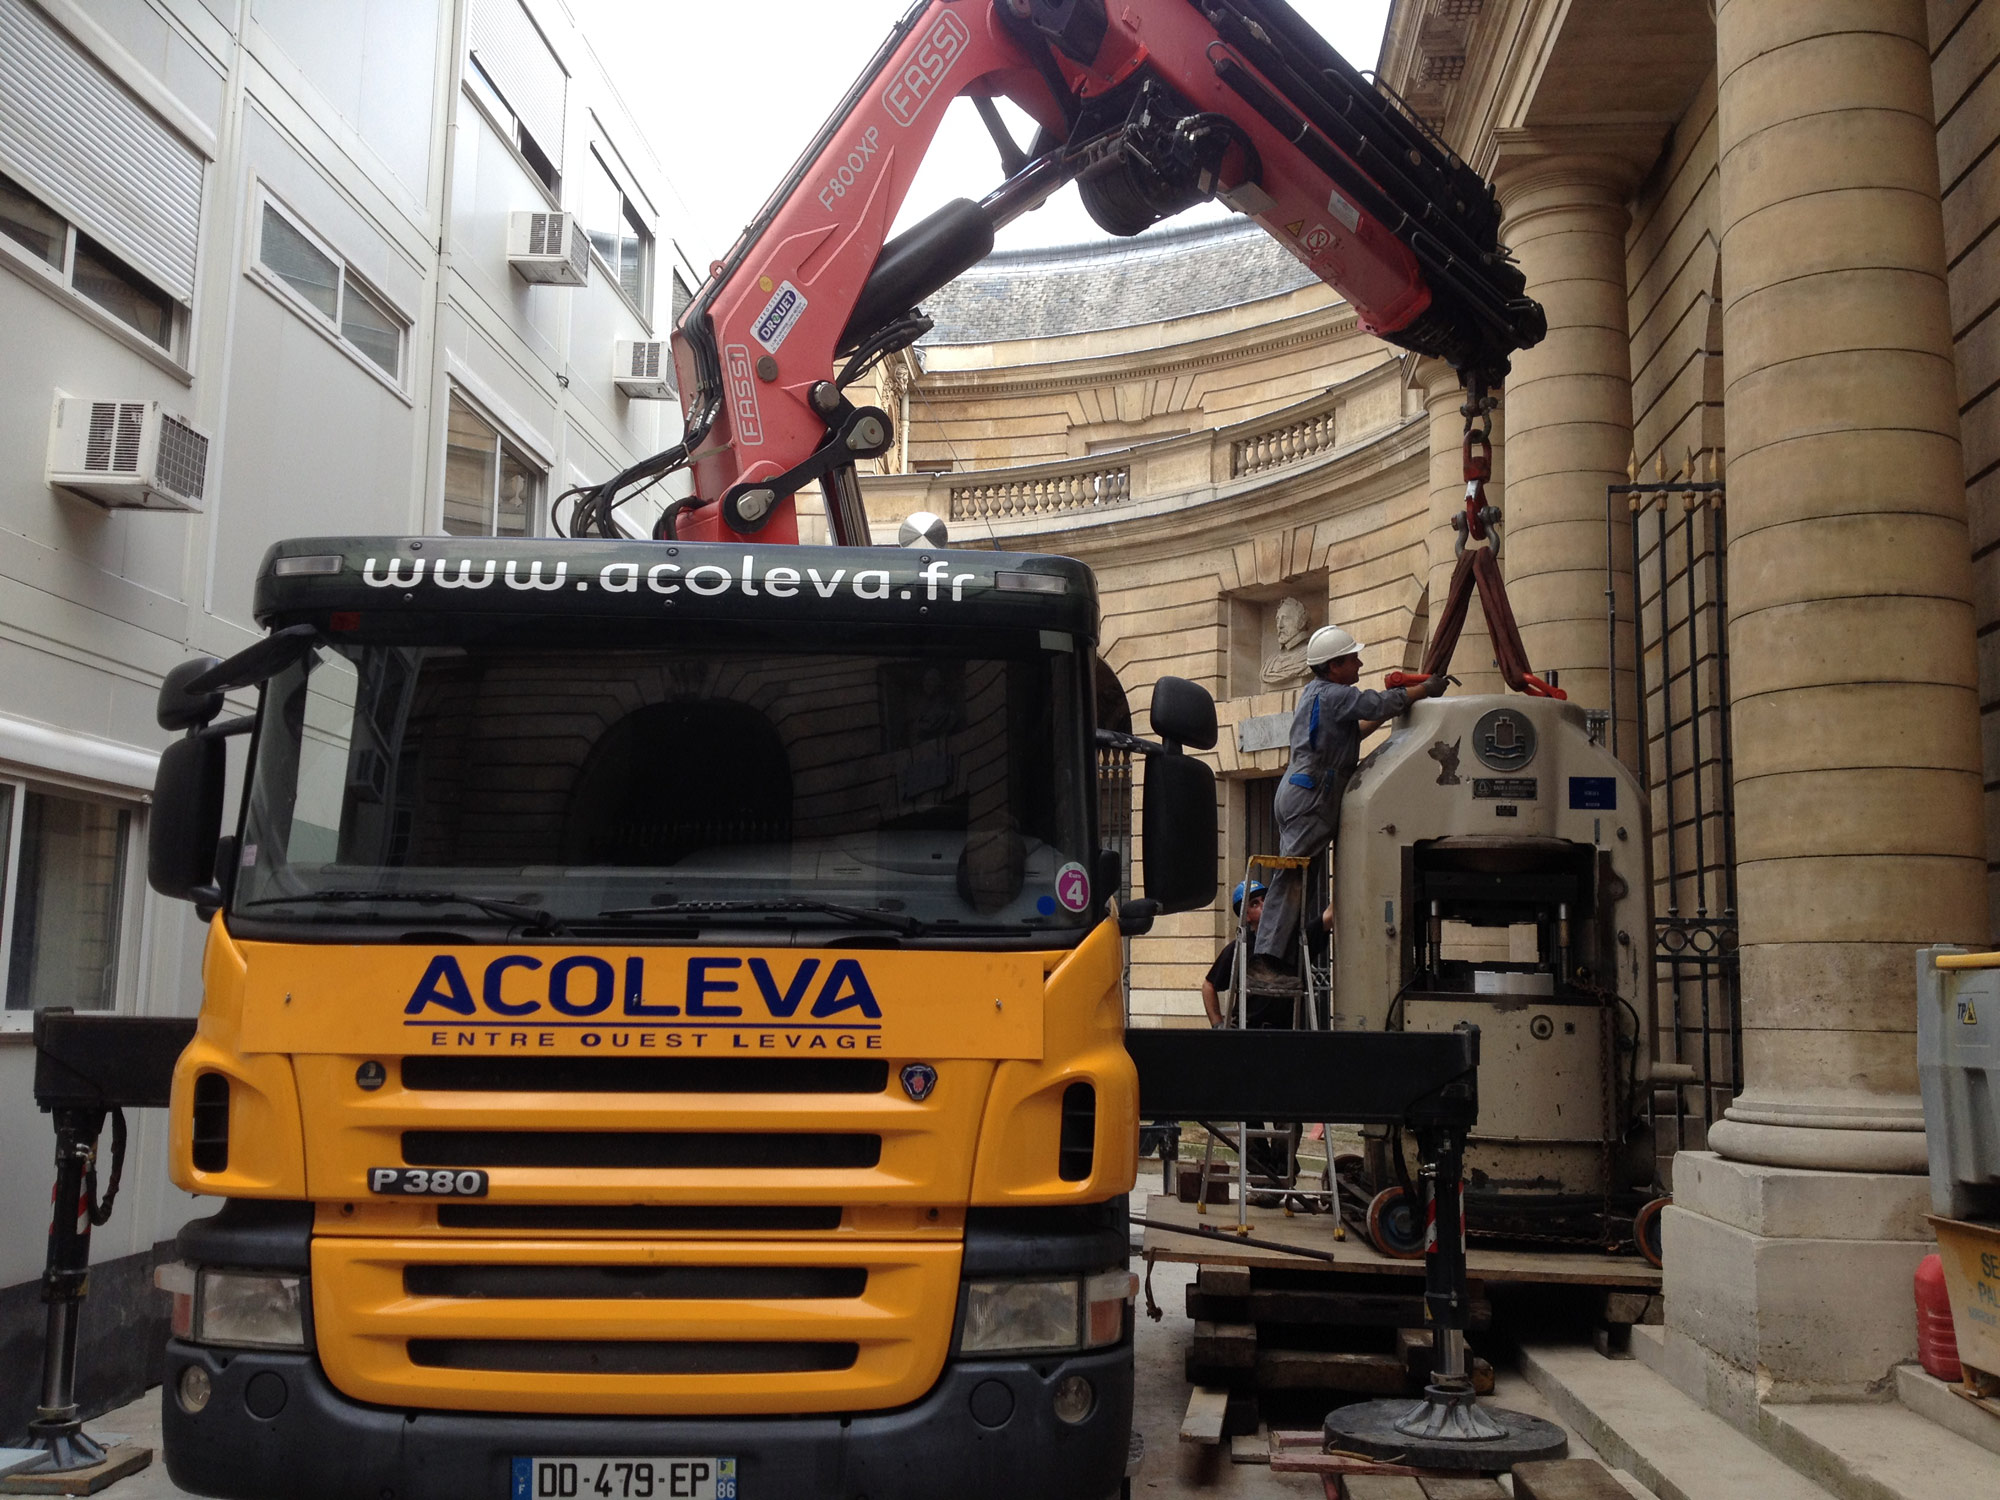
x=1009, y=1317
x=259, y=1311
x=1019, y=1317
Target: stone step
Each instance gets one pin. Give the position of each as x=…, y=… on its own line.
x=1930, y=1446
x=1643, y=1423
x=1934, y=1399
x=1879, y=1451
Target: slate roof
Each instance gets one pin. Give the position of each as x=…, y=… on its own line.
x=1170, y=273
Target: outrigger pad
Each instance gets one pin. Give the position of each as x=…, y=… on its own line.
x=1370, y=1428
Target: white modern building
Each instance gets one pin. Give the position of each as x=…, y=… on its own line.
x=267, y=268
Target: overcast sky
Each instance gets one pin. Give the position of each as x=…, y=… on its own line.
x=730, y=92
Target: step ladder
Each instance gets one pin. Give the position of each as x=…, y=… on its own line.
x=1305, y=1017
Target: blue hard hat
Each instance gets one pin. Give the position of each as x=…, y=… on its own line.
x=1236, y=896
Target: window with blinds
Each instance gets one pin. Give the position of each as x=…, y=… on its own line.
x=75, y=140
x=515, y=69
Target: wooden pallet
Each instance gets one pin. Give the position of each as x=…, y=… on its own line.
x=1285, y=1337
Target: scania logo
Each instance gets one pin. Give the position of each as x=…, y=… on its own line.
x=918, y=1080
x=582, y=985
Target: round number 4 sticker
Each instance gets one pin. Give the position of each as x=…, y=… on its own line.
x=1073, y=887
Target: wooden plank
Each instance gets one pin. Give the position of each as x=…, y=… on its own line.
x=1250, y=1448
x=1567, y=1479
x=124, y=1459
x=1382, y=1487
x=1315, y=1231
x=1626, y=1307
x=1320, y=1370
x=1299, y=1462
x=1348, y=1309
x=1223, y=1346
x=1205, y=1409
x=1413, y=1347
x=1224, y=1281
x=1463, y=1489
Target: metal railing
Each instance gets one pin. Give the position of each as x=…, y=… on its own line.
x=1680, y=656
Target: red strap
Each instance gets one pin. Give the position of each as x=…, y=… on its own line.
x=1477, y=569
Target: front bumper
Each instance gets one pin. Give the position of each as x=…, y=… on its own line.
x=965, y=1439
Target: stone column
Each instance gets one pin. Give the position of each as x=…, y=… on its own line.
x=1472, y=662
x=1859, y=825
x=1568, y=405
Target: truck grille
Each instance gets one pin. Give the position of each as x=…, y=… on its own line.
x=637, y=1150
x=688, y=1283
x=629, y=1218
x=635, y=1326
x=646, y=1075
x=630, y=1357
x=751, y=1234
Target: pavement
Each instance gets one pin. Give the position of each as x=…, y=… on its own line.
x=1173, y=1469
x=1170, y=1470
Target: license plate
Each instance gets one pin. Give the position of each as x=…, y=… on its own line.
x=427, y=1182
x=624, y=1479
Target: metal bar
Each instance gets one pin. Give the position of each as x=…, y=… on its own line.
x=1667, y=724
x=1732, y=969
x=1694, y=722
x=1210, y=1232
x=1611, y=613
x=1351, y=1077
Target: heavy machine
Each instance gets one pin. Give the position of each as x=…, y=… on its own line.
x=1491, y=868
x=662, y=1030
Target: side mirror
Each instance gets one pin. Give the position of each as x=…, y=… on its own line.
x=179, y=709
x=1183, y=713
x=186, y=818
x=1180, y=828
x=1110, y=873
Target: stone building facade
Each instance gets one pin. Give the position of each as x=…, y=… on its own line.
x=1205, y=424
x=1763, y=232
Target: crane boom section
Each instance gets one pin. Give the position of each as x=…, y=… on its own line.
x=1151, y=106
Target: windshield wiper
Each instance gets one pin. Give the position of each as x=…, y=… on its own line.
x=857, y=914
x=530, y=916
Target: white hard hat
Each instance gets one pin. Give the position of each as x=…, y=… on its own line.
x=1330, y=643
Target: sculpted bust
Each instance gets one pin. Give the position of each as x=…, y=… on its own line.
x=1287, y=665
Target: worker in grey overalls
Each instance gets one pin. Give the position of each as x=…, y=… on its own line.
x=1332, y=718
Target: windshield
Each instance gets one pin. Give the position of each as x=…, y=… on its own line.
x=672, y=789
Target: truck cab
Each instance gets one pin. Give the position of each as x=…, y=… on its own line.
x=662, y=1028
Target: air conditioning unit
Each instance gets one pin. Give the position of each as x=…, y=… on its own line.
x=550, y=249
x=127, y=454
x=644, y=368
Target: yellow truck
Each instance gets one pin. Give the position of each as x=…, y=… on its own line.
x=662, y=1030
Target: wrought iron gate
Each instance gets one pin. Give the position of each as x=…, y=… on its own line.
x=1680, y=659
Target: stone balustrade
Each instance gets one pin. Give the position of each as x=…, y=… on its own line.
x=1041, y=492
x=1327, y=423
x=1306, y=435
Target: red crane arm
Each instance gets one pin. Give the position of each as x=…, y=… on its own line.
x=1152, y=106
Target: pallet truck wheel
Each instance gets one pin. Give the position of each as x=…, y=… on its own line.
x=1394, y=1226
x=1646, y=1231
x=1350, y=1164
